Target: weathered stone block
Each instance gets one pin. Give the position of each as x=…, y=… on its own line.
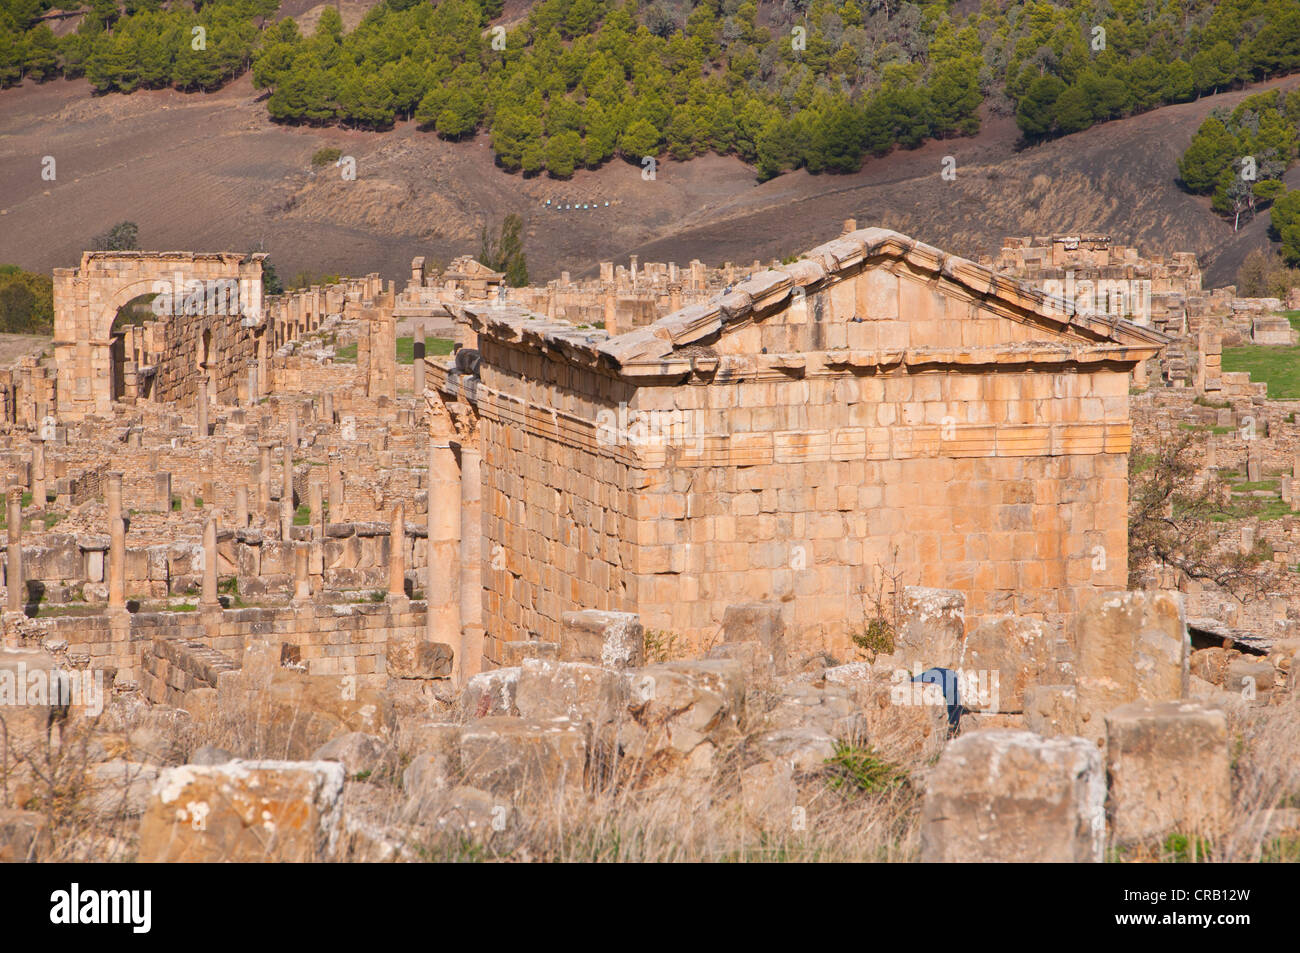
x=244, y=811
x=1129, y=646
x=23, y=836
x=759, y=622
x=1052, y=710
x=491, y=693
x=611, y=639
x=1169, y=769
x=409, y=656
x=574, y=690
x=517, y=756
x=1013, y=651
x=933, y=628
x=360, y=754
x=1013, y=796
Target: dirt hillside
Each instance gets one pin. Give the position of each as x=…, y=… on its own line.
x=212, y=172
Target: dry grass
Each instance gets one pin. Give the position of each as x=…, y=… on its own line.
x=866, y=807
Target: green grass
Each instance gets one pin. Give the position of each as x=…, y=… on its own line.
x=1293, y=317
x=347, y=353
x=303, y=516
x=1279, y=367
x=433, y=347
x=1248, y=487
x=1265, y=510
x=1207, y=428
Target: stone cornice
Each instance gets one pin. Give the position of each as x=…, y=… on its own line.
x=654, y=351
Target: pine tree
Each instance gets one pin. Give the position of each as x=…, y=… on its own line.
x=1211, y=151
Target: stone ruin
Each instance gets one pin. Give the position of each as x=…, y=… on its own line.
x=566, y=564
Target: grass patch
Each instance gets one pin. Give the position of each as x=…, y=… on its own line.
x=346, y=354
x=1279, y=367
x=323, y=157
x=1248, y=487
x=853, y=770
x=303, y=515
x=433, y=347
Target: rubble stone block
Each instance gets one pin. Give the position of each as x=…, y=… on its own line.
x=409, y=656
x=1018, y=650
x=23, y=836
x=933, y=628
x=683, y=710
x=1169, y=769
x=244, y=811
x=360, y=754
x=1248, y=673
x=491, y=693
x=1000, y=796
x=760, y=622
x=514, y=757
x=574, y=690
x=1052, y=710
x=1129, y=646
x=612, y=639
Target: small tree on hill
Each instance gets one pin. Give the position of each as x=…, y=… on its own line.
x=124, y=236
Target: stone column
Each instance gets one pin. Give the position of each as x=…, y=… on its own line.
x=471, y=565
x=301, y=579
x=14, y=572
x=443, y=588
x=241, y=507
x=327, y=408
x=264, y=478
x=252, y=384
x=418, y=349
x=316, y=506
x=263, y=378
x=210, y=563
x=397, y=553
x=293, y=426
x=336, y=488
x=38, y=474
x=117, y=543
x=202, y=401
x=286, y=495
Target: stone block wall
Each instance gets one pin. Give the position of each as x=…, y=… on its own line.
x=882, y=423
x=169, y=668
x=558, y=533
x=342, y=639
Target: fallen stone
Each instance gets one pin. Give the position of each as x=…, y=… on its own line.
x=1169, y=770
x=119, y=789
x=610, y=639
x=932, y=630
x=1000, y=796
x=760, y=622
x=1129, y=646
x=244, y=811
x=23, y=836
x=513, y=757
x=1052, y=710
x=573, y=690
x=491, y=693
x=360, y=754
x=1004, y=656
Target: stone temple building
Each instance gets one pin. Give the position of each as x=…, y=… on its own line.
x=876, y=409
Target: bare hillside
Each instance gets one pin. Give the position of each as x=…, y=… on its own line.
x=213, y=172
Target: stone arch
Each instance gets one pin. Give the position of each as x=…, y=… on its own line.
x=87, y=299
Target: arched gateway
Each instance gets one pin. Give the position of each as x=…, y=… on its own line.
x=200, y=288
